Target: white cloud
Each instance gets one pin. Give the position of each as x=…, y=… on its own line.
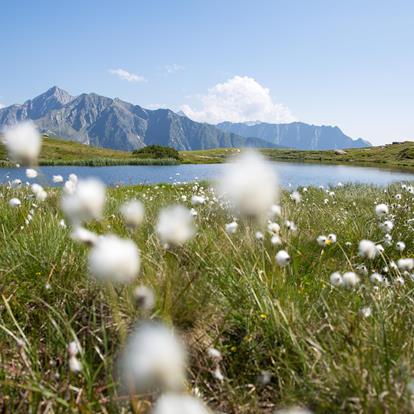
x=125, y=75
x=173, y=68
x=239, y=99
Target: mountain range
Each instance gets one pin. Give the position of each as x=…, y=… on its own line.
x=112, y=123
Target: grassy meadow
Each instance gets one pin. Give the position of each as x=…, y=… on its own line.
x=61, y=152
x=322, y=348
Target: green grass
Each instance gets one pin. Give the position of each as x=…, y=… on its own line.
x=217, y=290
x=395, y=156
x=61, y=152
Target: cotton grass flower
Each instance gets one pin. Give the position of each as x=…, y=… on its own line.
x=74, y=364
x=153, y=358
x=86, y=202
x=23, y=143
x=331, y=239
x=250, y=185
x=133, y=213
x=296, y=197
x=387, y=226
x=400, y=246
x=282, y=258
x=321, y=240
x=57, y=179
x=376, y=278
x=197, y=200
x=336, y=279
x=350, y=279
x=276, y=240
x=273, y=228
x=405, y=264
x=381, y=210
x=231, y=228
x=15, y=202
x=31, y=173
x=144, y=297
x=113, y=259
x=82, y=235
x=175, y=225
x=367, y=249
x=179, y=404
x=366, y=312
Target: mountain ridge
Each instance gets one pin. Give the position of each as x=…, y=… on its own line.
x=97, y=120
x=298, y=135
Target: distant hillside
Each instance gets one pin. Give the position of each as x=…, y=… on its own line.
x=295, y=135
x=111, y=123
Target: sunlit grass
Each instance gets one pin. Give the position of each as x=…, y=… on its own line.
x=218, y=290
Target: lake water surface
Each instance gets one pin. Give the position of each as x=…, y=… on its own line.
x=295, y=174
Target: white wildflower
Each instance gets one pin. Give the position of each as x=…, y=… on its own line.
x=197, y=200
x=179, y=404
x=376, y=278
x=282, y=258
x=400, y=246
x=175, y=225
x=405, y=264
x=15, y=202
x=23, y=143
x=321, y=240
x=57, y=179
x=336, y=279
x=296, y=197
x=273, y=228
x=82, y=235
x=154, y=358
x=276, y=240
x=367, y=249
x=350, y=279
x=133, y=213
x=250, y=185
x=86, y=202
x=31, y=173
x=114, y=259
x=381, y=210
x=144, y=297
x=231, y=227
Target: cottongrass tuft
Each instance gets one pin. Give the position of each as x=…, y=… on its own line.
x=350, y=279
x=336, y=279
x=57, y=179
x=15, y=202
x=381, y=210
x=153, y=359
x=179, y=404
x=23, y=143
x=250, y=185
x=113, y=259
x=282, y=258
x=133, y=213
x=144, y=297
x=367, y=249
x=175, y=225
x=82, y=235
x=31, y=173
x=86, y=202
x=231, y=228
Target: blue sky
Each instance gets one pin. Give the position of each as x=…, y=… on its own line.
x=346, y=63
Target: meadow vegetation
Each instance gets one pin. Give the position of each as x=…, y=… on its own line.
x=286, y=335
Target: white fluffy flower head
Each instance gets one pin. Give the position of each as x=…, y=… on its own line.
x=23, y=143
x=153, y=358
x=86, y=202
x=179, y=404
x=175, y=225
x=114, y=259
x=250, y=185
x=133, y=213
